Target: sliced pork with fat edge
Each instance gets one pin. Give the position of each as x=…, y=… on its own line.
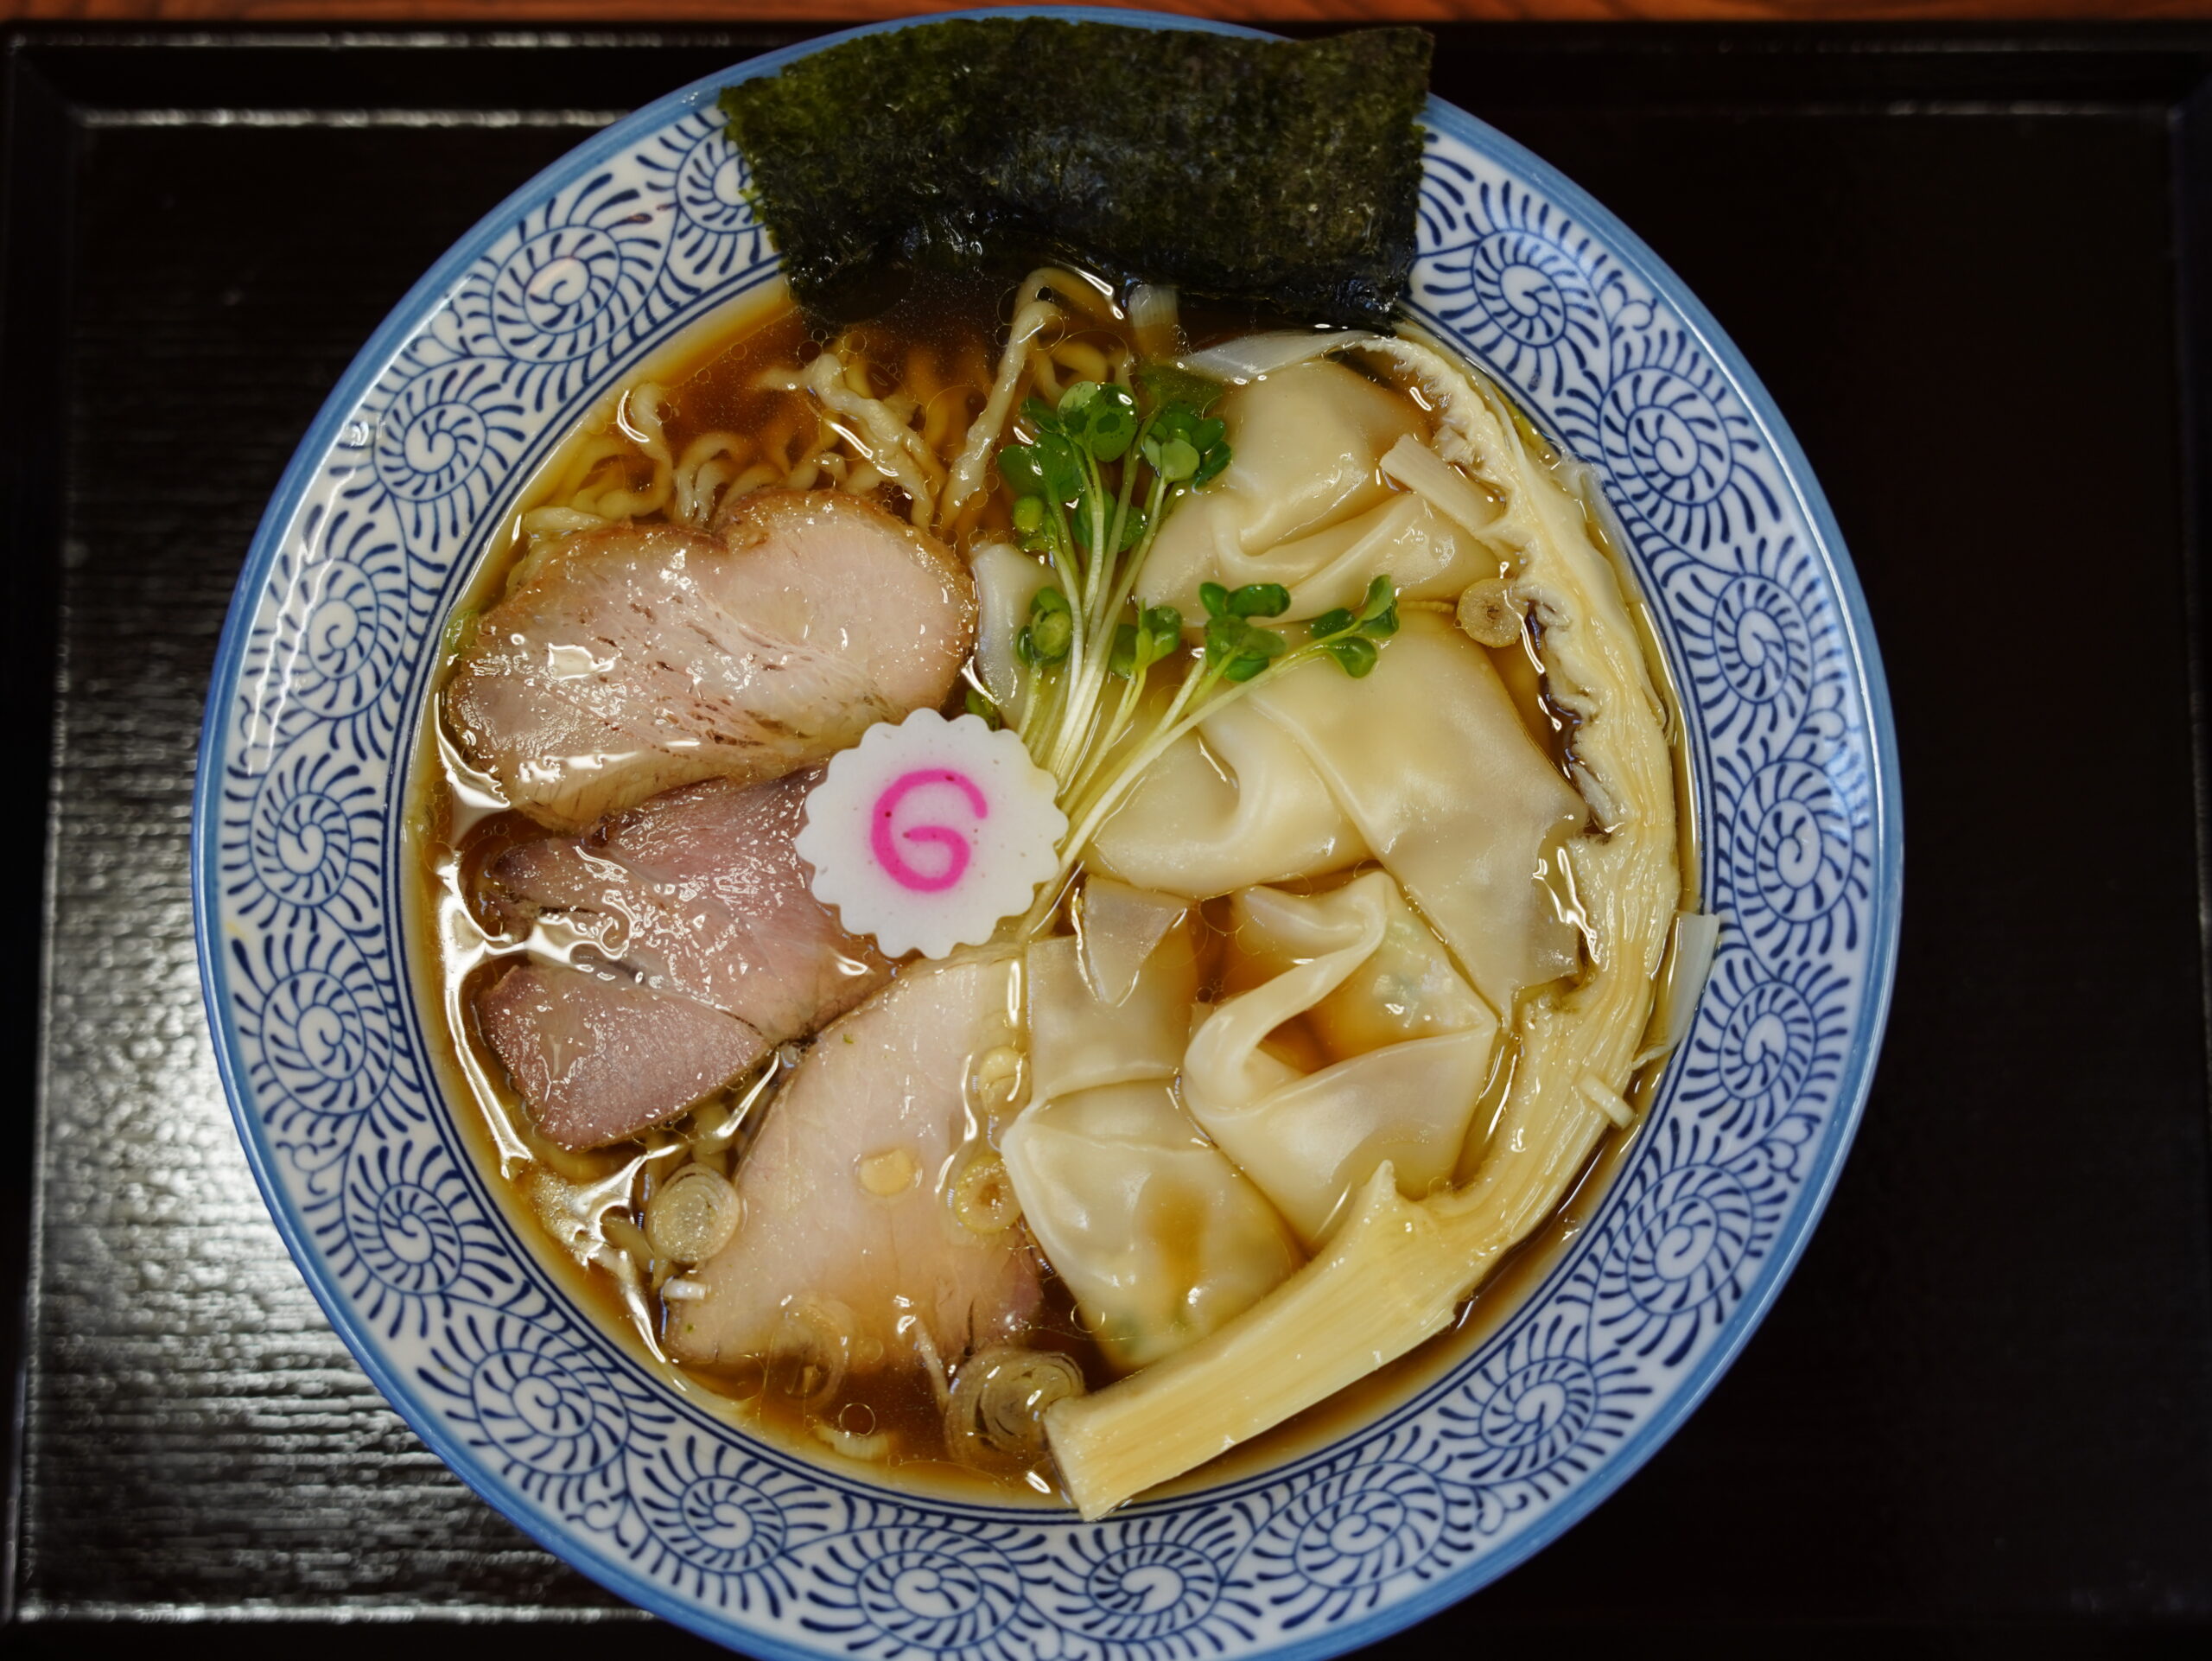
x=849, y=1251
x=702, y=891
x=599, y=1058
x=627, y=661
x=700, y=899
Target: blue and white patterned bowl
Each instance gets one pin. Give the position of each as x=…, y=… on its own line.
x=299, y=871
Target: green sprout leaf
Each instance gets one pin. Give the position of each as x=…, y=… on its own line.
x=1059, y=466
x=1238, y=649
x=1376, y=620
x=1225, y=634
x=1175, y=460
x=1019, y=467
x=1339, y=622
x=1050, y=632
x=1050, y=641
x=1048, y=468
x=1132, y=528
x=1113, y=427
x=977, y=704
x=1186, y=447
x=1261, y=645
x=1122, y=659
x=1215, y=599
x=1155, y=635
x=1349, y=636
x=1260, y=600
x=1102, y=418
x=1029, y=515
x=1210, y=440
x=1353, y=655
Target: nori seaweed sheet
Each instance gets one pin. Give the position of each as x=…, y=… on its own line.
x=1282, y=174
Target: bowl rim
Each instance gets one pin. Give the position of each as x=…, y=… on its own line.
x=1868, y=690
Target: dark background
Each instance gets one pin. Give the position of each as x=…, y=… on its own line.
x=1972, y=270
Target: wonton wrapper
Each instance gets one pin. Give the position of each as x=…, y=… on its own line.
x=1152, y=1228
x=1230, y=807
x=1424, y=764
x=1579, y=1043
x=1429, y=759
x=1078, y=1040
x=1407, y=988
x=1302, y=502
x=1365, y=973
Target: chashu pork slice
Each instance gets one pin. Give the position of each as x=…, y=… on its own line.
x=599, y=1057
x=703, y=893
x=714, y=951
x=847, y=1230
x=631, y=660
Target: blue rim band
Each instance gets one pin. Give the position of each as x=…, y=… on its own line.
x=1869, y=688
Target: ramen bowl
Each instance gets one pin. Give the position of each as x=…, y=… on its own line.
x=1399, y=1503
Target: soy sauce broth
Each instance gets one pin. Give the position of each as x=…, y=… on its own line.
x=940, y=343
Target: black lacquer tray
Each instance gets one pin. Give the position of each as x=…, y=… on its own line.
x=1975, y=270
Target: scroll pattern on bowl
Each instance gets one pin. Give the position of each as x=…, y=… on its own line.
x=551, y=304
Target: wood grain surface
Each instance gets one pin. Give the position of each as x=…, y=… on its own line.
x=1257, y=11
x=1978, y=1405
